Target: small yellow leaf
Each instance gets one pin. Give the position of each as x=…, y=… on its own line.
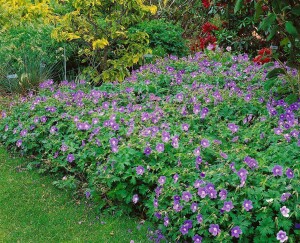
x=100, y=43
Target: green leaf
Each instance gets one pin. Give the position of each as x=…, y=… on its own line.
x=275, y=72
x=291, y=98
x=296, y=10
x=272, y=33
x=238, y=5
x=267, y=22
x=269, y=83
x=291, y=29
x=284, y=41
x=258, y=10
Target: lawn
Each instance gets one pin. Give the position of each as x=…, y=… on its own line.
x=32, y=210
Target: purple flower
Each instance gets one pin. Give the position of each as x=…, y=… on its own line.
x=214, y=229
x=198, y=161
x=225, y=156
x=247, y=205
x=197, y=238
x=87, y=194
x=204, y=112
x=186, y=196
x=160, y=147
x=205, y=143
x=185, y=127
x=202, y=192
x=166, y=221
x=228, y=206
x=285, y=196
x=188, y=223
x=64, y=148
x=53, y=129
x=285, y=211
x=184, y=230
x=233, y=128
x=23, y=133
x=277, y=170
x=223, y=194
x=135, y=198
x=43, y=119
x=140, y=170
x=157, y=215
x=199, y=218
x=197, y=151
x=194, y=207
x=242, y=173
x=165, y=136
x=277, y=131
x=252, y=163
x=147, y=151
x=113, y=142
x=289, y=173
x=198, y=183
x=95, y=121
x=19, y=143
x=70, y=158
x=179, y=97
x=114, y=149
x=176, y=177
x=281, y=236
x=162, y=180
x=236, y=231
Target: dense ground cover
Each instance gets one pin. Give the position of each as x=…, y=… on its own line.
x=194, y=143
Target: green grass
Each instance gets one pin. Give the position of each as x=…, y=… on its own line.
x=32, y=210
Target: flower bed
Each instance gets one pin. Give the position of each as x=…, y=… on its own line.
x=195, y=143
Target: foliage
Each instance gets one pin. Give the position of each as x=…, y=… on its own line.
x=178, y=139
x=164, y=37
x=280, y=17
x=187, y=13
x=101, y=31
x=28, y=53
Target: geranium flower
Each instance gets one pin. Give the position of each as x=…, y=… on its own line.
x=285, y=211
x=236, y=232
x=247, y=205
x=214, y=229
x=281, y=236
x=277, y=170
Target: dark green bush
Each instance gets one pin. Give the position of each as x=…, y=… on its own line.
x=165, y=37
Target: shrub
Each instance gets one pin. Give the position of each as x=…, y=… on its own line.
x=164, y=37
x=100, y=30
x=195, y=143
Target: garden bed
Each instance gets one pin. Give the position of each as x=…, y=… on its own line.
x=194, y=144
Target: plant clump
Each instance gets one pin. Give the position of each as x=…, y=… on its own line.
x=194, y=143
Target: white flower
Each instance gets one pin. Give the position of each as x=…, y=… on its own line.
x=270, y=200
x=285, y=211
x=228, y=48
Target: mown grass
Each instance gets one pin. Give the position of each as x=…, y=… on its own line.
x=32, y=210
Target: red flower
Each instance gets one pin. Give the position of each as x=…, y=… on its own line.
x=265, y=51
x=206, y=3
x=265, y=8
x=208, y=27
x=257, y=59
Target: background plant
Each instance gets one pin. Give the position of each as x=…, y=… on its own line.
x=101, y=30
x=165, y=38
